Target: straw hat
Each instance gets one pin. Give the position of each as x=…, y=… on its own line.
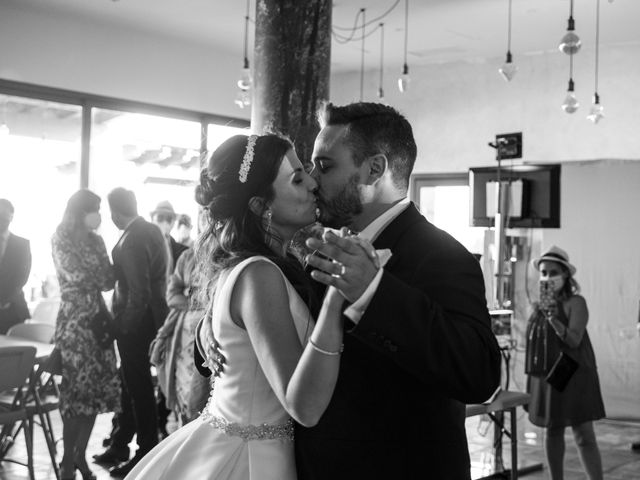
x=558, y=255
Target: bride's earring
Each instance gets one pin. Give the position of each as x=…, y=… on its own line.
x=269, y=215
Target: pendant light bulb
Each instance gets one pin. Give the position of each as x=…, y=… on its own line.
x=595, y=114
x=570, y=43
x=404, y=80
x=244, y=83
x=570, y=104
x=243, y=98
x=508, y=69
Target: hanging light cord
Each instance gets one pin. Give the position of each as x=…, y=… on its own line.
x=572, y=25
x=406, y=29
x=509, y=30
x=571, y=84
x=246, y=35
x=381, y=54
x=364, y=13
x=597, y=42
x=351, y=37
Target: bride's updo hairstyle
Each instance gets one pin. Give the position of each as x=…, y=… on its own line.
x=241, y=168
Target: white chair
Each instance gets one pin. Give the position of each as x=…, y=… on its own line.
x=38, y=332
x=46, y=311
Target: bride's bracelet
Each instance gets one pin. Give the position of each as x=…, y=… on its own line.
x=325, y=352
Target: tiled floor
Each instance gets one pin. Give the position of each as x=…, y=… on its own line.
x=614, y=439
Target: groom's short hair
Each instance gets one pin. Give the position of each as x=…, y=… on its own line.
x=374, y=128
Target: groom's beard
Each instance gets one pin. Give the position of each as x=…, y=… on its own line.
x=340, y=210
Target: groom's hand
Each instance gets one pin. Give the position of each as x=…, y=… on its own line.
x=351, y=265
x=209, y=347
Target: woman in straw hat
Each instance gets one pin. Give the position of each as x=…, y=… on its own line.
x=559, y=325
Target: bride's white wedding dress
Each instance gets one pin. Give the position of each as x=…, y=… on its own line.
x=243, y=432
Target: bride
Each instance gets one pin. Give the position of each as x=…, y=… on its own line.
x=279, y=366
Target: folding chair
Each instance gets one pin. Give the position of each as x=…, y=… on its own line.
x=43, y=395
x=17, y=365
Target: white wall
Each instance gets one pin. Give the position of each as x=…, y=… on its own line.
x=456, y=109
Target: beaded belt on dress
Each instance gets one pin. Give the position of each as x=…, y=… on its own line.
x=263, y=431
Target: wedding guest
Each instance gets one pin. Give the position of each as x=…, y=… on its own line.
x=559, y=324
x=184, y=230
x=139, y=309
x=184, y=389
x=84, y=271
x=15, y=266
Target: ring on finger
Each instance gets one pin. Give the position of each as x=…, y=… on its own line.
x=342, y=271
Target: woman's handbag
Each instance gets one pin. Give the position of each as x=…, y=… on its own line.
x=562, y=371
x=101, y=324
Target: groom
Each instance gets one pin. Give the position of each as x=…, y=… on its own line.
x=419, y=343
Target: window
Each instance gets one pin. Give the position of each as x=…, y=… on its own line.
x=54, y=141
x=39, y=168
x=444, y=200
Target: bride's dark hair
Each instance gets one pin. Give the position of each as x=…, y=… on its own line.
x=233, y=231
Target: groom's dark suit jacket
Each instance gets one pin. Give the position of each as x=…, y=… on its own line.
x=15, y=267
x=422, y=349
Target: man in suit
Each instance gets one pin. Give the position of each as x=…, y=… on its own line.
x=139, y=309
x=15, y=266
x=418, y=343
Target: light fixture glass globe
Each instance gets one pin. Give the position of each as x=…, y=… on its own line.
x=243, y=98
x=244, y=83
x=570, y=43
x=4, y=130
x=404, y=80
x=508, y=69
x=570, y=104
x=595, y=113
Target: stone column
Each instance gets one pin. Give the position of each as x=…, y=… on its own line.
x=291, y=68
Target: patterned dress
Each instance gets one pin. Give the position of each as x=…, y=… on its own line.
x=90, y=382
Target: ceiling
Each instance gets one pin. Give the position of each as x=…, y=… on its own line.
x=440, y=31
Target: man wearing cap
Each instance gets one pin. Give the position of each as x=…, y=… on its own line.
x=164, y=216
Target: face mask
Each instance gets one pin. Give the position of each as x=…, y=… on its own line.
x=92, y=220
x=165, y=228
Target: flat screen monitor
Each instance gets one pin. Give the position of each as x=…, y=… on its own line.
x=538, y=191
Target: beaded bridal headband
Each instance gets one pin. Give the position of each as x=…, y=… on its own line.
x=247, y=159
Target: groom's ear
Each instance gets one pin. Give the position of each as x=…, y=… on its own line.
x=376, y=166
x=257, y=205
